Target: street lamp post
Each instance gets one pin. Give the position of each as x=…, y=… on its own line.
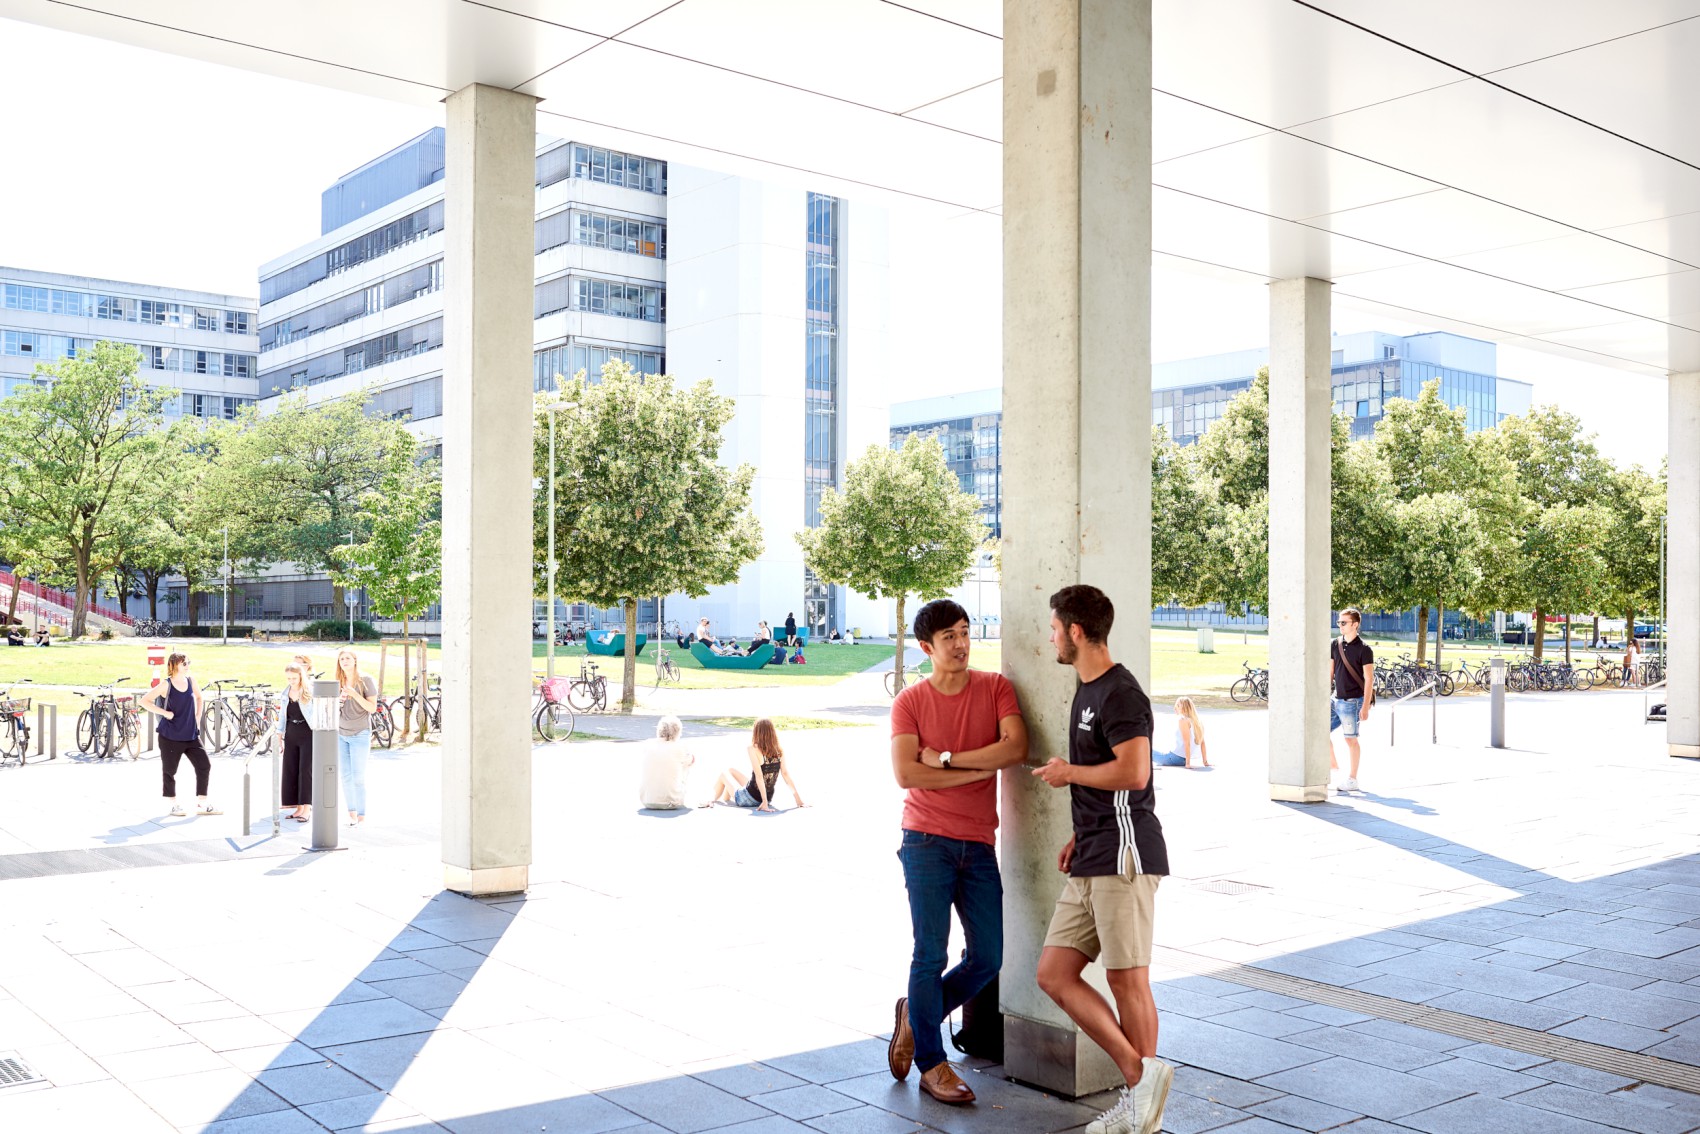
x=552, y=409
x=225, y=640
x=348, y=592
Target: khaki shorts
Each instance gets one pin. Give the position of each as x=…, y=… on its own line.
x=1109, y=915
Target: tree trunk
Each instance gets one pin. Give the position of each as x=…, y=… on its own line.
x=1540, y=630
x=1422, y=633
x=194, y=607
x=1596, y=631
x=1567, y=639
x=80, y=604
x=897, y=659
x=1628, y=627
x=12, y=603
x=628, y=668
x=410, y=706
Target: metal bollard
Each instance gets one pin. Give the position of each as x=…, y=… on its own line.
x=49, y=714
x=277, y=795
x=1496, y=711
x=153, y=732
x=324, y=714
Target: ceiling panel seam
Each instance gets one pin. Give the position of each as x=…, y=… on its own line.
x=601, y=39
x=1588, y=46
x=953, y=94
x=942, y=20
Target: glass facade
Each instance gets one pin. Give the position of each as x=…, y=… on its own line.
x=640, y=236
x=589, y=356
x=821, y=387
x=416, y=339
x=624, y=299
x=411, y=401
x=1186, y=412
x=411, y=284
x=95, y=305
x=51, y=348
x=404, y=170
x=610, y=167
x=973, y=447
x=367, y=246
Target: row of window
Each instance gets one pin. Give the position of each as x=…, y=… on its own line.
x=367, y=246
x=52, y=348
x=401, y=288
x=820, y=353
x=92, y=305
x=574, y=355
x=609, y=167
x=413, y=401
x=403, y=343
x=638, y=235
x=625, y=299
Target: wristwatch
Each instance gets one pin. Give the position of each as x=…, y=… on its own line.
x=944, y=759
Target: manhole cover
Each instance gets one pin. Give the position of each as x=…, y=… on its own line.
x=14, y=1072
x=1229, y=886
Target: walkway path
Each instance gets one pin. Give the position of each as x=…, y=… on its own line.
x=1482, y=941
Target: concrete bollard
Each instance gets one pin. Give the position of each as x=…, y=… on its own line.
x=1496, y=710
x=324, y=722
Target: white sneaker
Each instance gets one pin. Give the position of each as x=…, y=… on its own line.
x=1351, y=783
x=1119, y=1119
x=177, y=810
x=1150, y=1093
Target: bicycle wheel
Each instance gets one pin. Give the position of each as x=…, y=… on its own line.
x=105, y=730
x=10, y=743
x=1446, y=685
x=581, y=695
x=1261, y=687
x=1241, y=690
x=215, y=727
x=435, y=705
x=383, y=726
x=128, y=735
x=554, y=722
x=891, y=683
x=164, y=630
x=672, y=672
x=85, y=731
x=251, y=728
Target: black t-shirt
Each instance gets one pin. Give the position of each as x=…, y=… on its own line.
x=1111, y=826
x=1347, y=686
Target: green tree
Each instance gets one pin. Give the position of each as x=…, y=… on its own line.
x=901, y=525
x=642, y=507
x=292, y=480
x=1636, y=508
x=1563, y=548
x=1234, y=451
x=76, y=445
x=1180, y=511
x=400, y=564
x=1435, y=553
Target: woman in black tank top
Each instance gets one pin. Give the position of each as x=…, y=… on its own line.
x=766, y=768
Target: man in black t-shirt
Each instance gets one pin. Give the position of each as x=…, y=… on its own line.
x=1351, y=670
x=1114, y=862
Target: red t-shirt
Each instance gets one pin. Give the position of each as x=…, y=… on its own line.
x=959, y=723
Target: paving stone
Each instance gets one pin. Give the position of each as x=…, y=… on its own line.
x=313, y=1083
x=1219, y=1088
x=1625, y=1037
x=1607, y=1109
x=1481, y=1115
x=1302, y=1114
x=1673, y=989
x=394, y=970
x=1480, y=1078
x=1179, y=1001
x=207, y=1096
x=1517, y=1012
x=1257, y=1125
x=1682, y=1048
x=1239, y=1055
x=1355, y=952
x=828, y=1065
x=1403, y=988
x=806, y=1101
x=1315, y=968
x=864, y=1120
x=1409, y=1035
x=1017, y=1108
x=256, y=1059
x=1367, y=1048
x=360, y=1111
x=1459, y=949
x=746, y=1079
x=1535, y=946
x=1362, y=1088
x=1262, y=1022
x=1328, y=1014
x=163, y=1062
x=351, y=1023
x=1643, y=1009
x=772, y=1124
x=1528, y=962
x=684, y=1104
x=85, y=1108
x=1592, y=974
x=1274, y=1001
x=437, y=990
x=1500, y=1056
x=1189, y=1114
x=1585, y=1077
x=1473, y=976
x=273, y=1122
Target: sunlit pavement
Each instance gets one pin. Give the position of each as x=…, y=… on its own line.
x=722, y=970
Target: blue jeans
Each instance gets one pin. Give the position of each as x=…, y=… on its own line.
x=351, y=753
x=941, y=873
x=1343, y=715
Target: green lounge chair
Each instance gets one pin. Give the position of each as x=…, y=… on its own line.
x=608, y=644
x=712, y=660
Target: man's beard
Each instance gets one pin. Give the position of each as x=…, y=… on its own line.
x=1067, y=652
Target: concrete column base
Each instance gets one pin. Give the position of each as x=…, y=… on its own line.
x=479, y=882
x=1060, y=1060
x=1688, y=751
x=1289, y=793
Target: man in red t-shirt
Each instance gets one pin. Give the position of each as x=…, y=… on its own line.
x=949, y=736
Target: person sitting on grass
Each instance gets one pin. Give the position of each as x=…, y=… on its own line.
x=1188, y=738
x=767, y=767
x=43, y=638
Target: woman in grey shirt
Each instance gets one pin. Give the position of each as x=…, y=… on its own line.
x=357, y=699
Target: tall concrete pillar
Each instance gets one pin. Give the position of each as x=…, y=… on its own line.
x=1301, y=403
x=487, y=554
x=1682, y=596
x=1077, y=435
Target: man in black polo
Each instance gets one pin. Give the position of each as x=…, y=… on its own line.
x=1351, y=670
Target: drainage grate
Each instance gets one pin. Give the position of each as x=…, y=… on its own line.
x=1229, y=886
x=14, y=1072
x=1630, y=1064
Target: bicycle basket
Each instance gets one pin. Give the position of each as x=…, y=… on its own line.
x=15, y=707
x=555, y=690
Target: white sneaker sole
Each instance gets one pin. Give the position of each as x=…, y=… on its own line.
x=1154, y=1123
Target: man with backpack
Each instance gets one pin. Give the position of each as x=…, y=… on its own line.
x=1351, y=670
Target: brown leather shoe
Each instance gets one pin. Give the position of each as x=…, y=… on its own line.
x=900, y=1056
x=944, y=1085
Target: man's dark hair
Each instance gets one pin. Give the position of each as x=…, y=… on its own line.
x=1352, y=613
x=1086, y=607
x=940, y=614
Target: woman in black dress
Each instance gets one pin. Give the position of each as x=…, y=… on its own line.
x=297, y=736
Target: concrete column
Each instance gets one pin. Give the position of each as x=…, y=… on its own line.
x=1682, y=596
x=1077, y=442
x=487, y=492
x=1300, y=434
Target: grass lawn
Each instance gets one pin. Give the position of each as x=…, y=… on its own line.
x=783, y=724
x=827, y=664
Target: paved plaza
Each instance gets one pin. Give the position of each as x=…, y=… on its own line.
x=1481, y=941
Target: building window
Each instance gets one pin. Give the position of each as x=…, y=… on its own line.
x=611, y=167
x=577, y=354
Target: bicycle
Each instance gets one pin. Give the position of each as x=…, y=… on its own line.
x=152, y=628
x=433, y=702
x=911, y=674
x=589, y=690
x=1253, y=686
x=666, y=669
x=109, y=723
x=552, y=719
x=256, y=715
x=383, y=725
x=14, y=727
x=219, y=717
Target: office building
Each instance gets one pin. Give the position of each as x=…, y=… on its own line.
x=199, y=347
x=779, y=298
x=970, y=429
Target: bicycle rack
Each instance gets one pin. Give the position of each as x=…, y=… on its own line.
x=43, y=742
x=1434, y=703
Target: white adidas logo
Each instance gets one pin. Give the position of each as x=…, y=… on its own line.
x=1085, y=720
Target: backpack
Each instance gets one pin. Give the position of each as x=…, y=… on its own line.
x=798, y=658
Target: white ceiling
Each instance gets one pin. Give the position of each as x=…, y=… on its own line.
x=1523, y=170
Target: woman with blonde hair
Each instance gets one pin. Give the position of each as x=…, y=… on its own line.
x=295, y=733
x=357, y=699
x=1189, y=734
x=767, y=767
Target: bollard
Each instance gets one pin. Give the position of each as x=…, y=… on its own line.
x=1496, y=687
x=324, y=722
x=49, y=714
x=153, y=734
x=247, y=800
x=277, y=781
